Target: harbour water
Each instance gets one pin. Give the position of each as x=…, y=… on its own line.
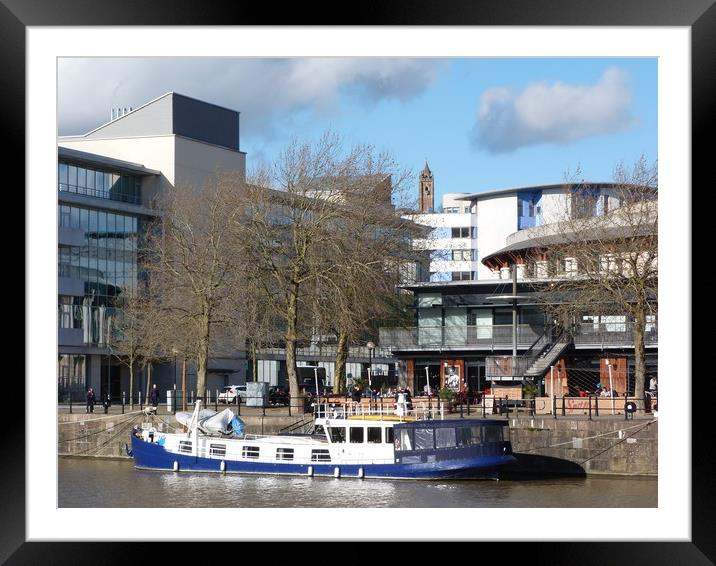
x=84, y=482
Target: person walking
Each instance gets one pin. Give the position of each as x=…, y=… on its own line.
x=154, y=396
x=90, y=400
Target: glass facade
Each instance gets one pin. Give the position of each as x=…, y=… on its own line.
x=107, y=261
x=71, y=376
x=99, y=184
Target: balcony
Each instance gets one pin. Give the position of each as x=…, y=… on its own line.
x=499, y=337
x=482, y=337
x=613, y=335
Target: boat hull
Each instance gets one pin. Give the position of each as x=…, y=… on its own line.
x=151, y=456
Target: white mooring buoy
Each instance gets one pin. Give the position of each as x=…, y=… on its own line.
x=309, y=473
x=360, y=472
x=336, y=472
x=223, y=466
x=176, y=466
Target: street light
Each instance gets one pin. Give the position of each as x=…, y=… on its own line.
x=370, y=347
x=174, y=401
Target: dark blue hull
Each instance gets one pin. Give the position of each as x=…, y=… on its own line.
x=150, y=456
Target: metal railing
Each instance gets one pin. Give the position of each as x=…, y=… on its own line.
x=613, y=334
x=484, y=337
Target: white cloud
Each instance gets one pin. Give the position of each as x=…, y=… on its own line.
x=263, y=90
x=553, y=113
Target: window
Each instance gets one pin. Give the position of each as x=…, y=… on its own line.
x=474, y=435
x=445, y=438
x=217, y=450
x=356, y=434
x=461, y=275
x=492, y=433
x=250, y=452
x=389, y=435
x=424, y=439
x=185, y=446
x=284, y=453
x=374, y=434
x=404, y=440
x=320, y=456
x=461, y=232
x=462, y=255
x=337, y=434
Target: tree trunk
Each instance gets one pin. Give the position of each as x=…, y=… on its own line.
x=291, y=339
x=131, y=385
x=202, y=356
x=341, y=357
x=639, y=351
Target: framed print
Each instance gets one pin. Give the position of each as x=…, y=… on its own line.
x=55, y=54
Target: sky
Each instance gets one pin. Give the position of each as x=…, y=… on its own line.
x=480, y=123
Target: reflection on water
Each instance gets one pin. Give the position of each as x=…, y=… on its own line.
x=115, y=483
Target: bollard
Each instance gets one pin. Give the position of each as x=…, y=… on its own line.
x=554, y=406
x=564, y=407
x=123, y=402
x=626, y=415
x=483, y=405
x=589, y=402
x=216, y=401
x=596, y=406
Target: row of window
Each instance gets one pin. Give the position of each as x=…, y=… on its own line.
x=253, y=452
x=359, y=435
x=100, y=184
x=99, y=222
x=442, y=437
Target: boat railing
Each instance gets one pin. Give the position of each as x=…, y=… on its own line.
x=421, y=410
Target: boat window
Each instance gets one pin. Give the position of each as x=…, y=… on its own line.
x=389, y=435
x=185, y=446
x=357, y=434
x=320, y=456
x=424, y=439
x=445, y=438
x=374, y=434
x=463, y=436
x=338, y=434
x=284, y=453
x=492, y=433
x=250, y=452
x=217, y=449
x=404, y=440
x=475, y=435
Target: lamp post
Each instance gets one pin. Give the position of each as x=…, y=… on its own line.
x=174, y=401
x=370, y=347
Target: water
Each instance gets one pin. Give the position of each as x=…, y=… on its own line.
x=115, y=483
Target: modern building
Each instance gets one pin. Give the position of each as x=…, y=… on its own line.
x=470, y=226
x=108, y=181
x=491, y=330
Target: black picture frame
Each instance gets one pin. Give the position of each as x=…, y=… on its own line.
x=699, y=15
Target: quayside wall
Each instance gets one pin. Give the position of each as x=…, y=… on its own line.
x=542, y=445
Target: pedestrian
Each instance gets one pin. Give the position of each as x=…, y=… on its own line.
x=90, y=400
x=154, y=396
x=106, y=403
x=356, y=395
x=653, y=386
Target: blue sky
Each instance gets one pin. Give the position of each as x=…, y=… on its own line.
x=481, y=124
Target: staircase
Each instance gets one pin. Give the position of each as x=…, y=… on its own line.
x=548, y=356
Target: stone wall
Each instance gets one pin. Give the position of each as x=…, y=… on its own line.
x=571, y=446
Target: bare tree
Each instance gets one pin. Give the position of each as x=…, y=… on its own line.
x=189, y=259
x=127, y=333
x=298, y=227
x=603, y=252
